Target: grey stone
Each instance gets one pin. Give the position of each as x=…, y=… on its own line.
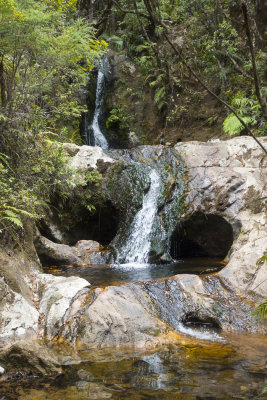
x=56, y=297
x=233, y=173
x=29, y=357
x=133, y=139
x=87, y=158
x=50, y=253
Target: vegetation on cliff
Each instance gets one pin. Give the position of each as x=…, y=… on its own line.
x=221, y=42
x=164, y=48
x=45, y=54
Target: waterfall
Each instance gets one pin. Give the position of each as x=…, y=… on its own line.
x=94, y=135
x=137, y=245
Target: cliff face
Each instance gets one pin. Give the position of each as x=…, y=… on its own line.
x=226, y=188
x=130, y=106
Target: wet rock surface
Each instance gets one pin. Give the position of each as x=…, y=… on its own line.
x=26, y=359
x=225, y=179
x=129, y=180
x=84, y=252
x=229, y=179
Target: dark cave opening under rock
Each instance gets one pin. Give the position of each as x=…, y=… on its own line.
x=202, y=235
x=191, y=320
x=100, y=225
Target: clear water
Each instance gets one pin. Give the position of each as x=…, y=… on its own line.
x=98, y=137
x=106, y=275
x=136, y=248
x=187, y=369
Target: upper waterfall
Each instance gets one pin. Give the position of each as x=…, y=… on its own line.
x=94, y=135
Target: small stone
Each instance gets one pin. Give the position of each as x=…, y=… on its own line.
x=85, y=375
x=2, y=370
x=82, y=385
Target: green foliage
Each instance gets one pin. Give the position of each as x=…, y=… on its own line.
x=247, y=108
x=261, y=310
x=45, y=54
x=232, y=126
x=115, y=42
x=160, y=97
x=45, y=58
x=119, y=119
x=211, y=39
x=262, y=260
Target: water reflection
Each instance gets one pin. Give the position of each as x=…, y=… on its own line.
x=104, y=275
x=188, y=370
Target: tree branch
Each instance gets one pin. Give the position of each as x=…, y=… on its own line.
x=130, y=11
x=179, y=54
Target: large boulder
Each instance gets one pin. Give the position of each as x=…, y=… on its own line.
x=115, y=316
x=229, y=180
x=56, y=254
x=89, y=157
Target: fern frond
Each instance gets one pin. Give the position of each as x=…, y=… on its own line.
x=13, y=220
x=18, y=210
x=232, y=126
x=160, y=93
x=261, y=310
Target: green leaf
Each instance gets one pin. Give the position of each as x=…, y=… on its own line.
x=232, y=126
x=261, y=310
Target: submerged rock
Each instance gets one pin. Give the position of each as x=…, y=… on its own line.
x=24, y=358
x=226, y=184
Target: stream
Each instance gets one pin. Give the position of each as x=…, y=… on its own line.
x=188, y=369
x=202, y=362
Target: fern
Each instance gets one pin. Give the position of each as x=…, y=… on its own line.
x=261, y=310
x=15, y=220
x=160, y=97
x=11, y=215
x=232, y=126
x=18, y=210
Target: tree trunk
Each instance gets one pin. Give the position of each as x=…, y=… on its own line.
x=2, y=85
x=261, y=18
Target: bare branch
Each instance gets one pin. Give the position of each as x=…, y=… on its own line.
x=179, y=54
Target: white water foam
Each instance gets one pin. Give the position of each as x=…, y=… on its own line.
x=136, y=249
x=99, y=138
x=200, y=333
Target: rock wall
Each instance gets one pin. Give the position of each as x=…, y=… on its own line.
x=229, y=179
x=226, y=179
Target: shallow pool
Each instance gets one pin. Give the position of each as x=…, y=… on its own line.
x=186, y=370
x=106, y=275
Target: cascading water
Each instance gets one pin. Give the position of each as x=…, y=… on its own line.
x=94, y=136
x=136, y=248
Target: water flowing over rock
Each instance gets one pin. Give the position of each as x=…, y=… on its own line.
x=137, y=245
x=226, y=182
x=150, y=183
x=93, y=134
